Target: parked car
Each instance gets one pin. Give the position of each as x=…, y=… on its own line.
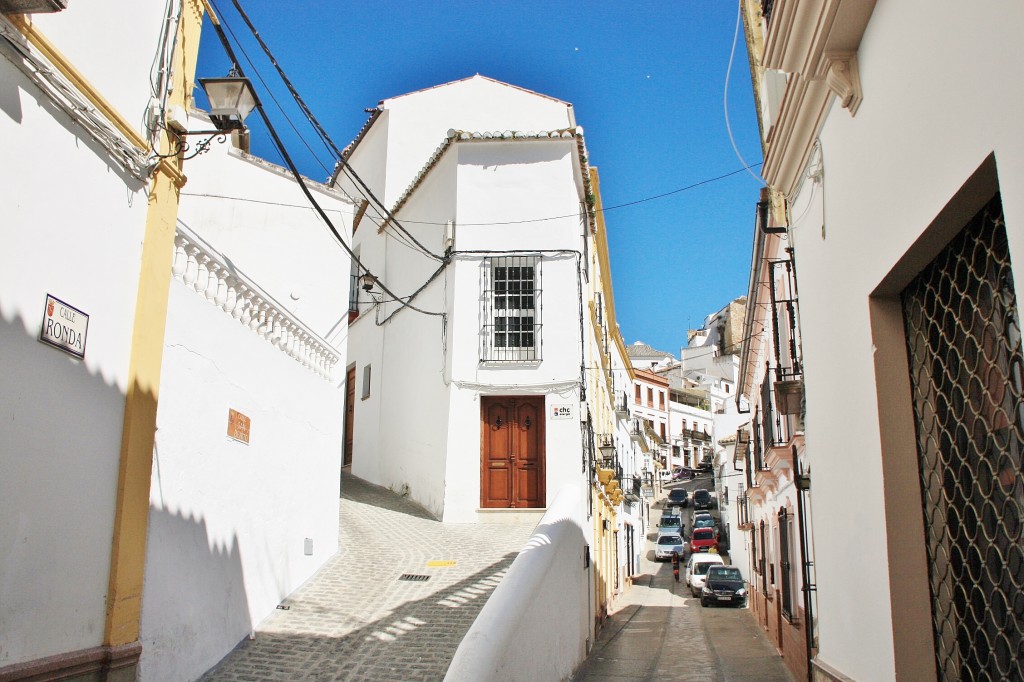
x=723, y=585
x=702, y=499
x=705, y=521
x=678, y=496
x=697, y=567
x=666, y=545
x=703, y=540
x=683, y=474
x=670, y=525
x=697, y=513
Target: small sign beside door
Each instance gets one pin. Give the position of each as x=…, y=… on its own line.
x=238, y=426
x=563, y=411
x=64, y=327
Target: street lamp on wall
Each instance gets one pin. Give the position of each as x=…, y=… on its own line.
x=232, y=99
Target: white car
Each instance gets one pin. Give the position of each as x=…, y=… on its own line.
x=666, y=545
x=697, y=567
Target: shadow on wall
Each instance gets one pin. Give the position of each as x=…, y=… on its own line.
x=60, y=436
x=186, y=631
x=414, y=642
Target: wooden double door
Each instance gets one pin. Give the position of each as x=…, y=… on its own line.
x=512, y=452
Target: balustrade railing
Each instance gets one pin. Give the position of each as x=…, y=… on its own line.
x=199, y=268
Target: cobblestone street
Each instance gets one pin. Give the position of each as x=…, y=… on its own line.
x=658, y=632
x=356, y=620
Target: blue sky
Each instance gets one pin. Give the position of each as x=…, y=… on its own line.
x=646, y=79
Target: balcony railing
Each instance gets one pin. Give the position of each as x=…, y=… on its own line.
x=201, y=268
x=744, y=519
x=622, y=403
x=696, y=434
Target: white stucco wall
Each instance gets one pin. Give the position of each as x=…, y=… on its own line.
x=420, y=120
x=229, y=521
x=939, y=97
x=504, y=640
x=72, y=226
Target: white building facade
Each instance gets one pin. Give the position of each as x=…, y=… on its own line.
x=483, y=320
x=895, y=161
x=247, y=459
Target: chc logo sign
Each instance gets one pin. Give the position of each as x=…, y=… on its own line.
x=64, y=327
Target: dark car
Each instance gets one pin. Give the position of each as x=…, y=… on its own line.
x=678, y=497
x=683, y=474
x=702, y=499
x=723, y=585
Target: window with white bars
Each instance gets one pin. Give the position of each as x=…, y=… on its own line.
x=512, y=309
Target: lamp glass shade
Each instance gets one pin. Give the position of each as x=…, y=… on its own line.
x=231, y=100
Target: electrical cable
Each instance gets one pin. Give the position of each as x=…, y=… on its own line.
x=276, y=102
x=725, y=98
x=604, y=209
x=298, y=176
x=325, y=138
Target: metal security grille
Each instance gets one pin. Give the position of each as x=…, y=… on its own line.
x=414, y=577
x=785, y=574
x=964, y=349
x=512, y=316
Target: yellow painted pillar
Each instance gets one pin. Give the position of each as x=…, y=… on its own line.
x=128, y=549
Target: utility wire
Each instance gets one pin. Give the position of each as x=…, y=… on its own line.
x=725, y=96
x=325, y=138
x=298, y=176
x=604, y=209
x=276, y=101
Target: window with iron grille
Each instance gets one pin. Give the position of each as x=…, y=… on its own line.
x=785, y=565
x=966, y=373
x=512, y=314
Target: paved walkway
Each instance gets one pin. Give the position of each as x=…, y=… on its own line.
x=356, y=620
x=658, y=632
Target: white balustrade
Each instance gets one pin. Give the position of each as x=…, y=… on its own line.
x=205, y=274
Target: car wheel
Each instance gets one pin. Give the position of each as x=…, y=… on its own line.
x=693, y=592
x=703, y=601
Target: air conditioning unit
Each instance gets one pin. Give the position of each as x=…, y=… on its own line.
x=32, y=6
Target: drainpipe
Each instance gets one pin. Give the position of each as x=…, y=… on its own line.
x=803, y=485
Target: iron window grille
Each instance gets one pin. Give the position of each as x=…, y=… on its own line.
x=353, y=294
x=512, y=309
x=785, y=565
x=967, y=378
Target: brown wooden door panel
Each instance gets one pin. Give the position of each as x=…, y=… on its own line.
x=350, y=411
x=512, y=452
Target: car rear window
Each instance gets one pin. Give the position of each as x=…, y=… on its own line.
x=703, y=534
x=726, y=573
x=701, y=567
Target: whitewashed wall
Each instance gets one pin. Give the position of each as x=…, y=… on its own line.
x=401, y=429
x=419, y=121
x=505, y=638
x=500, y=182
x=229, y=521
x=71, y=225
x=939, y=97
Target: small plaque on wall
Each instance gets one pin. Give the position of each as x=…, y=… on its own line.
x=64, y=326
x=563, y=411
x=238, y=426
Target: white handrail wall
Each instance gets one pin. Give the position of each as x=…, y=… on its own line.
x=536, y=624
